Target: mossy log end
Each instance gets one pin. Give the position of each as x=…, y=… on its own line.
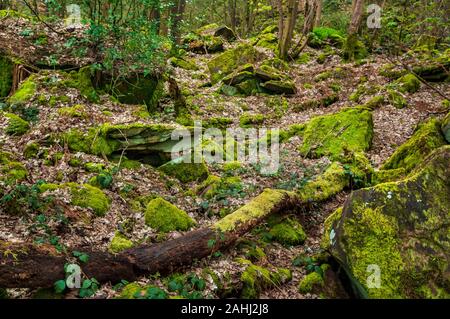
x=29, y=266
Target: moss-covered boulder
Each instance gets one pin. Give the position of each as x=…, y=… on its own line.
x=25, y=92
x=426, y=139
x=165, y=217
x=408, y=83
x=256, y=278
x=183, y=64
x=398, y=231
x=280, y=87
x=16, y=125
x=225, y=32
x=268, y=41
x=186, y=169
x=446, y=127
x=119, y=243
x=152, y=140
x=287, y=231
x=6, y=75
x=337, y=135
x=81, y=80
x=85, y=196
x=268, y=73
x=230, y=60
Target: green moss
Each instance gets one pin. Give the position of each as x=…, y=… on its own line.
x=303, y=58
x=354, y=49
x=258, y=208
x=218, y=122
x=326, y=185
x=426, y=139
x=289, y=232
x=11, y=170
x=391, y=72
x=446, y=127
x=249, y=87
x=375, y=102
x=323, y=36
x=90, y=197
x=408, y=83
x=256, y=278
x=184, y=64
x=31, y=150
x=81, y=80
x=25, y=92
x=391, y=175
x=85, y=196
x=6, y=75
x=165, y=217
x=130, y=291
x=16, y=125
x=329, y=232
x=185, y=172
x=397, y=99
x=249, y=120
x=334, y=135
x=78, y=111
x=214, y=186
x=94, y=167
x=401, y=228
x=364, y=249
x=119, y=243
x=230, y=60
x=310, y=283
x=231, y=166
x=286, y=87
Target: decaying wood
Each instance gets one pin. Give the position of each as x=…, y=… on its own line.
x=30, y=266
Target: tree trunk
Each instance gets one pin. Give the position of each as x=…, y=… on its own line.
x=29, y=266
x=287, y=26
x=357, y=15
x=319, y=5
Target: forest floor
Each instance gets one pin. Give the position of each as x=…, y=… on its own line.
x=392, y=127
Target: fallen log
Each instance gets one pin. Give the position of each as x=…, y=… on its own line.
x=31, y=266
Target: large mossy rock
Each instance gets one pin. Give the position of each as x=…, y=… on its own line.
x=25, y=92
x=280, y=87
x=6, y=75
x=165, y=217
x=227, y=62
x=425, y=140
x=186, y=169
x=400, y=228
x=107, y=139
x=84, y=196
x=337, y=135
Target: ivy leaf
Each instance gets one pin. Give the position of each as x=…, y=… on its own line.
x=86, y=284
x=60, y=286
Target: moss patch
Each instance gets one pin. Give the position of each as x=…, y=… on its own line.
x=336, y=135
x=426, y=138
x=119, y=243
x=25, y=91
x=288, y=232
x=165, y=217
x=16, y=125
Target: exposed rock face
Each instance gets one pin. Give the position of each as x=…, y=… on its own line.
x=400, y=228
x=225, y=33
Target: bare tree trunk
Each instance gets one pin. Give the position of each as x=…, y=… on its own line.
x=351, y=45
x=319, y=4
x=287, y=23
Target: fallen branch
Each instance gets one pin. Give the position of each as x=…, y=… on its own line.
x=31, y=266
